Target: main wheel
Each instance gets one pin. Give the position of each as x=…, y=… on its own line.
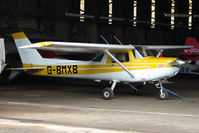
x=108, y=94
x=164, y=95
x=140, y=90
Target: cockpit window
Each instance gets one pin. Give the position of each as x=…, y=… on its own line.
x=144, y=53
x=150, y=52
x=122, y=57
x=98, y=57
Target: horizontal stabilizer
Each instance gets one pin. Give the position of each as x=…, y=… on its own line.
x=14, y=74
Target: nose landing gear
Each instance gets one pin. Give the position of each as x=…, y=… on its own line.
x=163, y=95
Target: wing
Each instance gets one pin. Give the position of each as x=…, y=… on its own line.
x=77, y=47
x=95, y=47
x=163, y=47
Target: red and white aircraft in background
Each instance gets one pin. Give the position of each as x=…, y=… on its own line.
x=192, y=55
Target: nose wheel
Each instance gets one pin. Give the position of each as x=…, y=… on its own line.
x=163, y=95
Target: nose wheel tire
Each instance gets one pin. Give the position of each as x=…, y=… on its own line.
x=108, y=94
x=163, y=95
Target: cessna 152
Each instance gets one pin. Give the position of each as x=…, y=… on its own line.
x=115, y=63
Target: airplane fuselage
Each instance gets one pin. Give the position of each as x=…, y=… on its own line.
x=143, y=69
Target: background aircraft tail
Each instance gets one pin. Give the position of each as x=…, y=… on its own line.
x=28, y=56
x=193, y=53
x=191, y=41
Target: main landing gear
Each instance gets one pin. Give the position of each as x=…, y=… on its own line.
x=108, y=93
x=139, y=90
x=163, y=95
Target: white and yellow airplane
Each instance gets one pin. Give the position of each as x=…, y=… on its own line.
x=115, y=63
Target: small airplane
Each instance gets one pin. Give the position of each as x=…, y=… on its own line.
x=2, y=55
x=114, y=63
x=192, y=55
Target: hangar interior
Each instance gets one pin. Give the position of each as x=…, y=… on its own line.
x=49, y=105
x=133, y=21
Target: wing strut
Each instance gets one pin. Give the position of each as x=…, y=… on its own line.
x=119, y=63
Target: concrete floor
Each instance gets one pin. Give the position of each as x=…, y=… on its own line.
x=77, y=106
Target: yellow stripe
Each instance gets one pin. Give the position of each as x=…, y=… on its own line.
x=42, y=44
x=19, y=35
x=88, y=69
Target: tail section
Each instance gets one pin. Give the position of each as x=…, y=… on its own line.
x=28, y=56
x=193, y=53
x=191, y=41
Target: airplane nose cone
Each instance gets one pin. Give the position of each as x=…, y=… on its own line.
x=180, y=62
x=177, y=63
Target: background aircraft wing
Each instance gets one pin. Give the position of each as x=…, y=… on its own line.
x=77, y=47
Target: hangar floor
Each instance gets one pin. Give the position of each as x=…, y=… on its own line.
x=77, y=106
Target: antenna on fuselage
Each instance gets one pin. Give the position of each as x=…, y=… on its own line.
x=104, y=39
x=118, y=40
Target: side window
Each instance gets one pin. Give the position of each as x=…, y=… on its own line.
x=98, y=57
x=122, y=57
